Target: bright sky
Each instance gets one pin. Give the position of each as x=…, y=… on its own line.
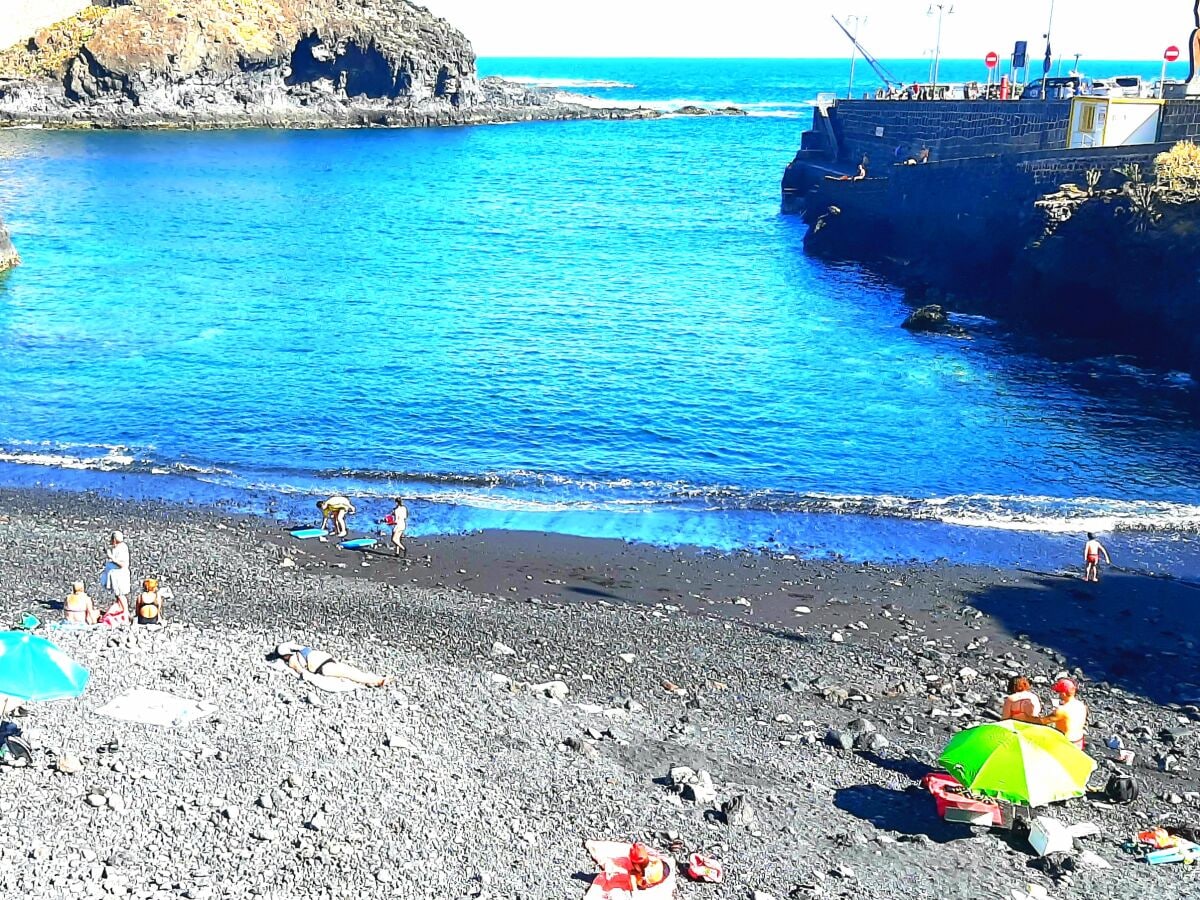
x=801, y=28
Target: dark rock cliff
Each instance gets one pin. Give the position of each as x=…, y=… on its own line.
x=1103, y=258
x=229, y=63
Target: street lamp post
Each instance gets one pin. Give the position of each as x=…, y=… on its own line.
x=1046, y=61
x=858, y=20
x=937, y=48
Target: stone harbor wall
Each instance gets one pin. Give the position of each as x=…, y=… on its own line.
x=970, y=229
x=21, y=19
x=949, y=128
x=1180, y=121
x=8, y=253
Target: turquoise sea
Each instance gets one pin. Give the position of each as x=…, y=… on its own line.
x=599, y=328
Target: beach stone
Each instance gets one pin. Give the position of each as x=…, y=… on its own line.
x=872, y=741
x=96, y=800
x=701, y=791
x=68, y=764
x=555, y=690
x=499, y=649
x=384, y=876
x=738, y=812
x=839, y=740
x=682, y=775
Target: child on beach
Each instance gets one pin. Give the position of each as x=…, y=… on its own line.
x=399, y=521
x=1092, y=551
x=79, y=608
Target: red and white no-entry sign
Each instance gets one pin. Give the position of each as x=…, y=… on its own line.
x=1171, y=53
x=992, y=60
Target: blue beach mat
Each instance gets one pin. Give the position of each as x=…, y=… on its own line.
x=358, y=544
x=305, y=533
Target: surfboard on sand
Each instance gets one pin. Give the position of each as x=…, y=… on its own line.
x=305, y=533
x=358, y=544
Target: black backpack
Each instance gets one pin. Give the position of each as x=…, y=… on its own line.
x=1121, y=788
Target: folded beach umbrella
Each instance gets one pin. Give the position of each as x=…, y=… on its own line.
x=32, y=668
x=1019, y=762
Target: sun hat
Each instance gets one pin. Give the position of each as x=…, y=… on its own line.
x=1064, y=686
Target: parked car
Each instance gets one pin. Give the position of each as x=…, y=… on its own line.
x=1119, y=86
x=1058, y=88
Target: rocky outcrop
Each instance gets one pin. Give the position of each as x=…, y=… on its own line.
x=286, y=63
x=8, y=253
x=932, y=319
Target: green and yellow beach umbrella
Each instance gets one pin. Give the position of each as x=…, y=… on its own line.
x=1019, y=762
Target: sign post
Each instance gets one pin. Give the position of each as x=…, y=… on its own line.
x=1169, y=56
x=991, y=61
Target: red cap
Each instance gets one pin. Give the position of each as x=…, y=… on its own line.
x=1064, y=686
x=639, y=853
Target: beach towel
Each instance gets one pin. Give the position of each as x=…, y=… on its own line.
x=324, y=682
x=147, y=707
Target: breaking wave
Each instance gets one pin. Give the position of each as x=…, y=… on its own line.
x=573, y=83
x=540, y=492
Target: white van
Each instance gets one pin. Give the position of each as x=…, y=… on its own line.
x=1119, y=86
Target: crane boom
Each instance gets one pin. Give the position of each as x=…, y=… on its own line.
x=885, y=76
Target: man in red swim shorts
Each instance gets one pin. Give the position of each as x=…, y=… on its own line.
x=1091, y=558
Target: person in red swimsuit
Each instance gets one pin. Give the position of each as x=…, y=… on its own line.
x=1092, y=551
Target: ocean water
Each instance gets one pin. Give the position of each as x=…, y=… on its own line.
x=598, y=328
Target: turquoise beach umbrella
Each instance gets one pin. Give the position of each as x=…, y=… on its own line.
x=32, y=668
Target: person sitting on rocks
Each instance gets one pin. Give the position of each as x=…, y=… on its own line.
x=1021, y=703
x=1070, y=716
x=318, y=662
x=79, y=608
x=150, y=603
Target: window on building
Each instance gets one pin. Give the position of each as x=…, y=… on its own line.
x=1087, y=117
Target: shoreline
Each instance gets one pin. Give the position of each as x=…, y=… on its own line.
x=464, y=777
x=830, y=536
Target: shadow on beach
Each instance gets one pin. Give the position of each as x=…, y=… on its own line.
x=1136, y=632
x=909, y=812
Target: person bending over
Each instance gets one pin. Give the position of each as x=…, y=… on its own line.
x=336, y=508
x=1021, y=703
x=318, y=662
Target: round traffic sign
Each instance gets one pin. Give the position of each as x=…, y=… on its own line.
x=992, y=60
x=1171, y=54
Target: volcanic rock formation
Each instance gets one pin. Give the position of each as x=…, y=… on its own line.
x=229, y=63
x=8, y=253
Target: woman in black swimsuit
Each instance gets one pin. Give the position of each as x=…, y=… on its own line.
x=308, y=660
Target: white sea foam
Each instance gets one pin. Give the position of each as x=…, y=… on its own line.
x=524, y=491
x=575, y=83
x=757, y=109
